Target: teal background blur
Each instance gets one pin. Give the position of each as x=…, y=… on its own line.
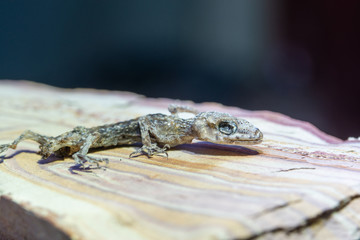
x=300, y=58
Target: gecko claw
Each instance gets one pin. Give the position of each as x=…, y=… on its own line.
x=82, y=159
x=150, y=151
x=136, y=153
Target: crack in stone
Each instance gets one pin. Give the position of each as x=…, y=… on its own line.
x=299, y=168
x=308, y=222
x=275, y=208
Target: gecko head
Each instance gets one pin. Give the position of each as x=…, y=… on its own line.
x=223, y=128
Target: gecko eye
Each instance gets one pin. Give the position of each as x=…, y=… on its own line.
x=227, y=127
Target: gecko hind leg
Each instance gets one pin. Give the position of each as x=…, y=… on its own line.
x=175, y=109
x=81, y=158
x=25, y=135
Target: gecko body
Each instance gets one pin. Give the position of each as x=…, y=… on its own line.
x=157, y=132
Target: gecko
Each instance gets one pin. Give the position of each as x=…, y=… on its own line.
x=157, y=133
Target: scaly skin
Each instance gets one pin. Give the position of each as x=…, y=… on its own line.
x=157, y=132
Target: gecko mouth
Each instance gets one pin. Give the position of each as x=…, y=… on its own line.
x=251, y=140
x=248, y=142
x=241, y=142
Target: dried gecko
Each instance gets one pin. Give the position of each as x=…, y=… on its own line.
x=157, y=132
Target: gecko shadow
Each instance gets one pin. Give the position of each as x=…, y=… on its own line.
x=17, y=152
x=207, y=148
x=72, y=169
x=50, y=159
x=78, y=167
x=201, y=148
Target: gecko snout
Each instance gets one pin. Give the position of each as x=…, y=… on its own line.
x=258, y=134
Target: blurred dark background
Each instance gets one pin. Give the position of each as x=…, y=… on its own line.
x=300, y=58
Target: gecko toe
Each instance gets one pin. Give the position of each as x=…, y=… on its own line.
x=150, y=151
x=137, y=153
x=96, y=160
x=82, y=159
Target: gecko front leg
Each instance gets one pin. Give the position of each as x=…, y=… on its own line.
x=148, y=147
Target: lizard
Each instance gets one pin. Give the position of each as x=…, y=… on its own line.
x=157, y=133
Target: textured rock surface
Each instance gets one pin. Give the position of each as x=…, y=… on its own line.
x=300, y=183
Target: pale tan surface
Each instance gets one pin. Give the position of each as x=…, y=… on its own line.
x=298, y=184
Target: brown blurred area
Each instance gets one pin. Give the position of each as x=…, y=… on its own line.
x=329, y=31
